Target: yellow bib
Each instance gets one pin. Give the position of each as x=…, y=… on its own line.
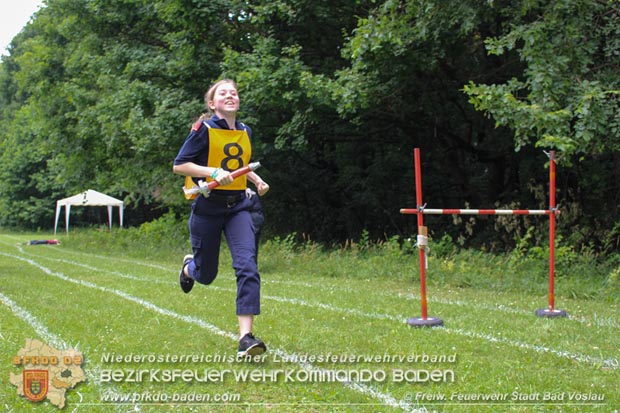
x=229, y=150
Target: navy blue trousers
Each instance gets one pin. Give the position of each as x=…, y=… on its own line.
x=206, y=223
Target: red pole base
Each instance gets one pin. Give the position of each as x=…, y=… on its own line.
x=551, y=313
x=425, y=322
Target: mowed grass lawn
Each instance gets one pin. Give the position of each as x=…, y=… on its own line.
x=335, y=327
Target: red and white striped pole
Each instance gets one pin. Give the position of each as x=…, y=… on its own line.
x=551, y=311
x=422, y=242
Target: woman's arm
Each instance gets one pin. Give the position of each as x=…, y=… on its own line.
x=261, y=186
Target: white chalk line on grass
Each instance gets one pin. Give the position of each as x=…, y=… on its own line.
x=58, y=249
x=596, y=321
x=609, y=363
x=120, y=259
x=116, y=273
x=293, y=301
x=101, y=270
x=612, y=363
x=606, y=362
x=50, y=338
x=40, y=329
x=385, y=398
x=584, y=358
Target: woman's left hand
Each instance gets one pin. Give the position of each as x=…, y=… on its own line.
x=262, y=187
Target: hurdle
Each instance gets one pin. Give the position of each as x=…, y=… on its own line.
x=422, y=240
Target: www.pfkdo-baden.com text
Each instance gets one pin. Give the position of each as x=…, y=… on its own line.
x=161, y=397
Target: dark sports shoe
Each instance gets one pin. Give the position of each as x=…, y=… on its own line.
x=186, y=283
x=250, y=346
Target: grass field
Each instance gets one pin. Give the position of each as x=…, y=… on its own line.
x=334, y=323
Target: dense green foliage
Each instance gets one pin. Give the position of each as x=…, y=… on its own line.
x=100, y=94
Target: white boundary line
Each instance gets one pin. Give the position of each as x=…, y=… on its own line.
x=40, y=329
x=52, y=339
x=600, y=322
x=609, y=362
x=386, y=398
x=104, y=271
x=606, y=362
x=289, y=300
x=612, y=363
x=55, y=249
x=597, y=321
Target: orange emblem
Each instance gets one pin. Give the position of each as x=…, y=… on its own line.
x=36, y=384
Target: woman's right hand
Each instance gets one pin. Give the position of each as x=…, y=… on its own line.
x=223, y=177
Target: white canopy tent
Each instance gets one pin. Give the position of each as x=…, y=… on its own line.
x=88, y=198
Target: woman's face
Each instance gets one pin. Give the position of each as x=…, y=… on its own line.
x=225, y=100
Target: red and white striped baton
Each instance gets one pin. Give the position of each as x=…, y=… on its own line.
x=205, y=188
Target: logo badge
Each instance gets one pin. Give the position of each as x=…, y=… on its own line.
x=48, y=372
x=35, y=384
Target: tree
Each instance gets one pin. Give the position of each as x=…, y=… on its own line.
x=567, y=98
x=107, y=90
x=569, y=92
x=338, y=94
